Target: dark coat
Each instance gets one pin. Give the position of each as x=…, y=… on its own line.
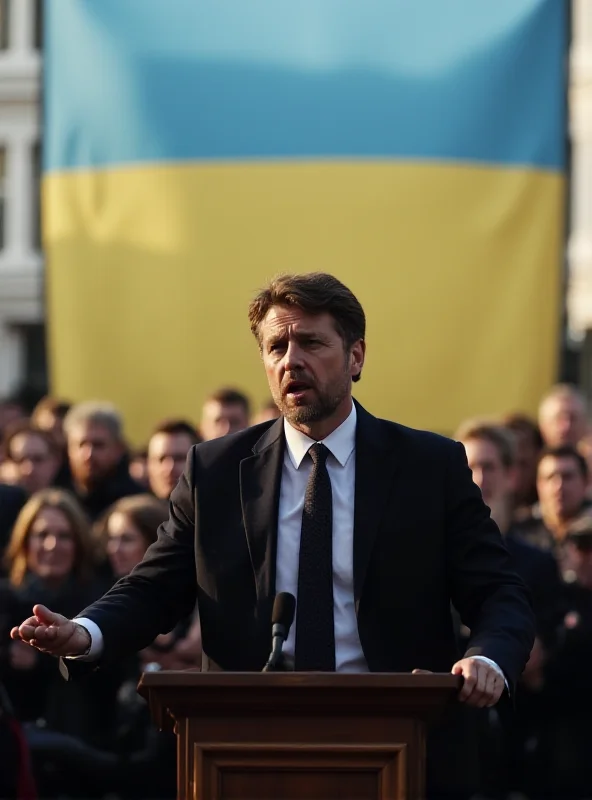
x=12, y=499
x=117, y=485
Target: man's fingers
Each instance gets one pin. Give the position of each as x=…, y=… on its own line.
x=482, y=687
x=25, y=630
x=469, y=673
x=491, y=685
x=45, y=616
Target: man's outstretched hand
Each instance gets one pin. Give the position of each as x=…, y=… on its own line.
x=52, y=633
x=482, y=686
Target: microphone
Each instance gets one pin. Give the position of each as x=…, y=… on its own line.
x=282, y=617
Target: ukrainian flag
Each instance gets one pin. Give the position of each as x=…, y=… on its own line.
x=414, y=149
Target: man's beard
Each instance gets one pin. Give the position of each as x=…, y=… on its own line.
x=321, y=406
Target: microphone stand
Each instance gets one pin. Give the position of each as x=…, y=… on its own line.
x=278, y=661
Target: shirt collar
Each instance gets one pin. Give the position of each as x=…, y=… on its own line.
x=340, y=443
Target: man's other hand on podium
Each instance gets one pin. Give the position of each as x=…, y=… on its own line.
x=483, y=683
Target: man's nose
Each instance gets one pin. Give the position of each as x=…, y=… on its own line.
x=293, y=357
x=169, y=465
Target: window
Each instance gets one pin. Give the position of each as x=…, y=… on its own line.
x=35, y=361
x=2, y=194
x=36, y=196
x=4, y=22
x=38, y=25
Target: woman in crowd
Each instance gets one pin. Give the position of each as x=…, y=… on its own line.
x=129, y=527
x=51, y=558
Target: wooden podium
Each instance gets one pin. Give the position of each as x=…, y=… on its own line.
x=290, y=735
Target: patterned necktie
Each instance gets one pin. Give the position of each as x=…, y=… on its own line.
x=315, y=633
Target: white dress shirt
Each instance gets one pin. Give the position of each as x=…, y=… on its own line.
x=296, y=468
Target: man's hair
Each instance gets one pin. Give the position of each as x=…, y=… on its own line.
x=230, y=397
x=563, y=390
x=497, y=435
x=175, y=427
x=28, y=428
x=523, y=424
x=59, y=408
x=566, y=451
x=314, y=293
x=95, y=413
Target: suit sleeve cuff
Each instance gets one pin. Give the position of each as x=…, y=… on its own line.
x=495, y=666
x=96, y=640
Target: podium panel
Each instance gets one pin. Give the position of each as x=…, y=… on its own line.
x=290, y=736
x=292, y=772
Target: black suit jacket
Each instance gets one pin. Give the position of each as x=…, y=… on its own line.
x=422, y=538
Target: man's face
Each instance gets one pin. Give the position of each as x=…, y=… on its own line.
x=34, y=462
x=562, y=421
x=489, y=473
x=167, y=453
x=561, y=487
x=93, y=452
x=308, y=369
x=218, y=419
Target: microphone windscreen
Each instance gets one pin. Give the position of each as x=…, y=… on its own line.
x=284, y=607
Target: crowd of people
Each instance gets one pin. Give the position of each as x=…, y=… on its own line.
x=78, y=509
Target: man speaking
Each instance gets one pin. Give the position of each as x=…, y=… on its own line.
x=375, y=528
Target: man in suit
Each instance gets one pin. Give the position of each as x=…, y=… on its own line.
x=374, y=527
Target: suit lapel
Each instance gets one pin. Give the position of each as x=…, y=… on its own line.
x=376, y=464
x=260, y=477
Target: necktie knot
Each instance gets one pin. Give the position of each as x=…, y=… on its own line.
x=319, y=453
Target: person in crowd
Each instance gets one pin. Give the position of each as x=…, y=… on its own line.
x=491, y=450
x=51, y=555
x=16, y=775
x=12, y=409
x=528, y=446
x=568, y=740
x=138, y=467
x=491, y=454
x=49, y=415
x=168, y=446
x=34, y=456
x=562, y=416
x=267, y=412
x=225, y=411
x=129, y=527
x=562, y=479
x=98, y=457
x=411, y=535
x=12, y=499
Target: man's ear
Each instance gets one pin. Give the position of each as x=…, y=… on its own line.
x=357, y=357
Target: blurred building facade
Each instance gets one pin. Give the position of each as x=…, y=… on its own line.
x=22, y=358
